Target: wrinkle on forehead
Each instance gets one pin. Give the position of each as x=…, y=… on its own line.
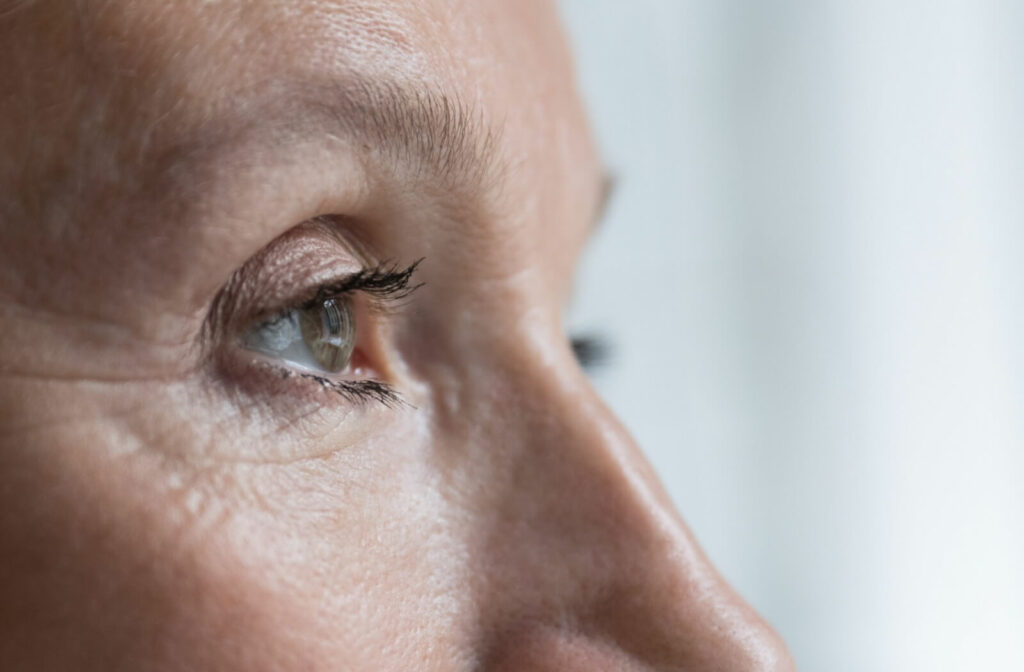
x=145, y=72
x=245, y=40
x=114, y=83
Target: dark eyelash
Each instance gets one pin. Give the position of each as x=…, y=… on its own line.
x=355, y=391
x=385, y=281
x=359, y=390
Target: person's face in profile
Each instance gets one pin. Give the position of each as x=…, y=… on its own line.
x=284, y=383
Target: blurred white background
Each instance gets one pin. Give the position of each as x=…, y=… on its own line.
x=813, y=272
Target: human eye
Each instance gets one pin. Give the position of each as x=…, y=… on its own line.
x=319, y=338
x=308, y=323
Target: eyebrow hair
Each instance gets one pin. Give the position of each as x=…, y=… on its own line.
x=418, y=129
x=415, y=127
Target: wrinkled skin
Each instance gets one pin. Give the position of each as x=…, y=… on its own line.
x=168, y=501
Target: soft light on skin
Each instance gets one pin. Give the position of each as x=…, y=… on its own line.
x=168, y=503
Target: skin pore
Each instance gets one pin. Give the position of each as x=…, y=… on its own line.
x=176, y=176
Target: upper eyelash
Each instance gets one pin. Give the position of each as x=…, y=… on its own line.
x=384, y=281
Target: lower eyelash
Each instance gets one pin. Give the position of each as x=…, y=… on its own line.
x=356, y=391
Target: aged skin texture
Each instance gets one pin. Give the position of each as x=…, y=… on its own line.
x=181, y=182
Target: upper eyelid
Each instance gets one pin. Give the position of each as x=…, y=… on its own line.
x=320, y=256
x=385, y=281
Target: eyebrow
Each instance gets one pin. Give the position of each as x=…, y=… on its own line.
x=438, y=132
x=413, y=127
x=417, y=128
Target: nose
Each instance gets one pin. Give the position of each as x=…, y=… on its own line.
x=588, y=566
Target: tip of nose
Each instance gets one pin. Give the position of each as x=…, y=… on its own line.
x=764, y=651
x=743, y=643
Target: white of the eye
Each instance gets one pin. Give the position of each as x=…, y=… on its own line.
x=275, y=335
x=281, y=338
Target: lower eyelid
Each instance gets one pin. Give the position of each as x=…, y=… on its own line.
x=287, y=392
x=302, y=418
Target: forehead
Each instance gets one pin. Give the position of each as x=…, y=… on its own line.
x=505, y=61
x=128, y=100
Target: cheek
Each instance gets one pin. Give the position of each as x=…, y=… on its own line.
x=106, y=566
x=356, y=554
x=160, y=555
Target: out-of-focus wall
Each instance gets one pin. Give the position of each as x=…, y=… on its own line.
x=814, y=274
